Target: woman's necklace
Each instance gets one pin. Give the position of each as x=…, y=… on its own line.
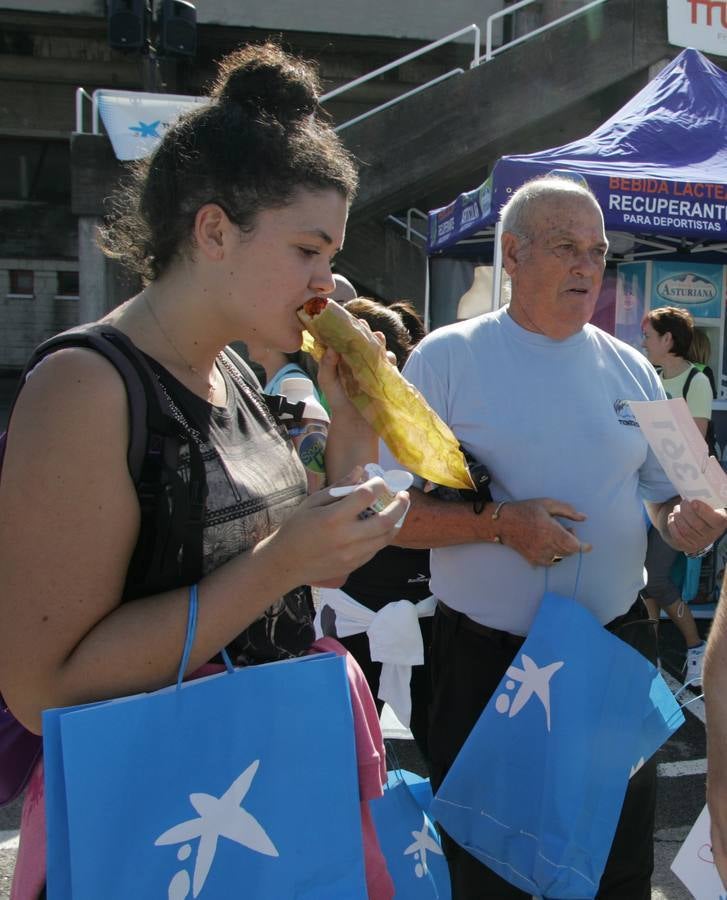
x=188, y=365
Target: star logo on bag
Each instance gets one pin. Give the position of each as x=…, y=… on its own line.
x=533, y=681
x=219, y=817
x=423, y=843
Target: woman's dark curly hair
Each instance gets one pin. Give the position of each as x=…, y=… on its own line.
x=261, y=138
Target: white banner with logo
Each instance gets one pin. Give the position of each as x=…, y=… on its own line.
x=136, y=121
x=701, y=24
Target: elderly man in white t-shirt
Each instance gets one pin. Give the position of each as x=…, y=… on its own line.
x=538, y=395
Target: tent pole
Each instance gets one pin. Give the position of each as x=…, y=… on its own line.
x=427, y=301
x=497, y=267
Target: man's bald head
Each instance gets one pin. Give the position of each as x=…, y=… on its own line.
x=517, y=214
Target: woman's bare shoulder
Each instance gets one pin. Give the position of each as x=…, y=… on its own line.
x=68, y=381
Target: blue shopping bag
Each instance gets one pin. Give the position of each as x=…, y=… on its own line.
x=536, y=791
x=409, y=840
x=662, y=718
x=685, y=574
x=212, y=790
x=419, y=787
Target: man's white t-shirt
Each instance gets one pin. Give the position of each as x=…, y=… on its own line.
x=549, y=419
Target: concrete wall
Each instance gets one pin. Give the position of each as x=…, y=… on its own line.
x=26, y=321
x=72, y=7
x=402, y=19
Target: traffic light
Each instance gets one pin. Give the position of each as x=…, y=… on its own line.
x=177, y=28
x=127, y=24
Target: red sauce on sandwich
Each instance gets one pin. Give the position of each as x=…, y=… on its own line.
x=315, y=305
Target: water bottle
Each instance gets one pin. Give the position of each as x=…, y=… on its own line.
x=310, y=434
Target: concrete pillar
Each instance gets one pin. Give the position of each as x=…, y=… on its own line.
x=92, y=272
x=103, y=283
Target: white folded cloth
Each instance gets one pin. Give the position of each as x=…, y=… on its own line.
x=394, y=640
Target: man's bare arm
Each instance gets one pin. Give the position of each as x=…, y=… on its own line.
x=528, y=526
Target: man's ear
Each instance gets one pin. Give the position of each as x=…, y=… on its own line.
x=211, y=228
x=511, y=249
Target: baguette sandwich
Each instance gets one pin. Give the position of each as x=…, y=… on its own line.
x=395, y=409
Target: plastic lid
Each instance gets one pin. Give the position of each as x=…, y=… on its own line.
x=396, y=479
x=298, y=389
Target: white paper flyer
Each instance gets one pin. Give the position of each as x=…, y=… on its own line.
x=694, y=864
x=669, y=428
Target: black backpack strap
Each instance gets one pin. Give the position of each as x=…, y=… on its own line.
x=172, y=510
x=712, y=383
x=169, y=545
x=690, y=377
x=710, y=437
x=146, y=402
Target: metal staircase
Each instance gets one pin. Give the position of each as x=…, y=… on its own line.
x=547, y=90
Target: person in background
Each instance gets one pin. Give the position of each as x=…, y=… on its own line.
x=533, y=391
x=386, y=321
x=272, y=366
x=233, y=221
x=414, y=323
x=393, y=574
x=667, y=337
x=700, y=352
x=343, y=289
x=309, y=433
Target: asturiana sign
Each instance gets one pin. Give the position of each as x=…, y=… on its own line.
x=686, y=288
x=697, y=288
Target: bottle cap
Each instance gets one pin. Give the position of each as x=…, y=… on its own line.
x=298, y=389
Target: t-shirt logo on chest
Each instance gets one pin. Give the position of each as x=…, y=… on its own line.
x=623, y=412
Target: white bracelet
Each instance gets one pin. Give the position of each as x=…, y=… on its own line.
x=495, y=516
x=699, y=553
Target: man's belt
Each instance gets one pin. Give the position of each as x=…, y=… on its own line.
x=493, y=634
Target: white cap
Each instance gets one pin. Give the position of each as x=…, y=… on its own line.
x=298, y=389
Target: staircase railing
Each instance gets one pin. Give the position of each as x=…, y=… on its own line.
x=477, y=59
x=415, y=54
x=491, y=51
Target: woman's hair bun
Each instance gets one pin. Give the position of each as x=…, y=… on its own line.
x=265, y=79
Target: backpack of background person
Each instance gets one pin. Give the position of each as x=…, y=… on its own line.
x=170, y=534
x=710, y=436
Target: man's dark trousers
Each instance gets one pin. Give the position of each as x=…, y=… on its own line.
x=467, y=667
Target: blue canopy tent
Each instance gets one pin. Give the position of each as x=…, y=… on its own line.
x=658, y=168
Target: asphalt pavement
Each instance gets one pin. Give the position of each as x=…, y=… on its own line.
x=681, y=766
